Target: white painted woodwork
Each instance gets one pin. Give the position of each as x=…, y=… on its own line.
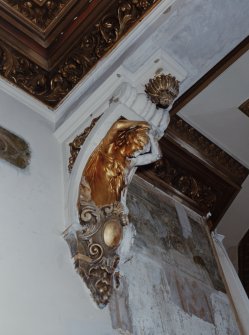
x=235, y=288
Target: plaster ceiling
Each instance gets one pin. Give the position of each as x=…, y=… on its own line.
x=215, y=112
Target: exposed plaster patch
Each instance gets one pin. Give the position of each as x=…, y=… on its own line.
x=183, y=220
x=125, y=249
x=166, y=291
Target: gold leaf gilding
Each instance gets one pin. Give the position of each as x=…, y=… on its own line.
x=51, y=87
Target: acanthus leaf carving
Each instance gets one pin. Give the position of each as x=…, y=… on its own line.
x=39, y=14
x=77, y=143
x=207, y=148
x=51, y=87
x=190, y=186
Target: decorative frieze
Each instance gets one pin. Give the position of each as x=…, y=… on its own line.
x=182, y=131
x=52, y=86
x=190, y=185
x=39, y=12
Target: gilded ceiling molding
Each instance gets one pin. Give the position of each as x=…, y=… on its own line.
x=186, y=133
x=162, y=90
x=111, y=148
x=39, y=12
x=188, y=184
x=14, y=149
x=196, y=171
x=51, y=87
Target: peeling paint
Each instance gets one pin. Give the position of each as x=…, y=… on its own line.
x=171, y=284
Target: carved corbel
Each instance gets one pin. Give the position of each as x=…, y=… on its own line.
x=132, y=127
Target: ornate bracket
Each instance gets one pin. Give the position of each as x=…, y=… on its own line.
x=127, y=136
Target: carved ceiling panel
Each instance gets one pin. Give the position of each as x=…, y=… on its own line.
x=40, y=13
x=47, y=47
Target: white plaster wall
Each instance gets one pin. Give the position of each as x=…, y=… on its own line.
x=214, y=112
x=40, y=292
x=196, y=34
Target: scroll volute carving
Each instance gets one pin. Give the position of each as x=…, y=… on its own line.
x=101, y=204
x=14, y=149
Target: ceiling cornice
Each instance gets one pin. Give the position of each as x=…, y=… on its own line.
x=40, y=13
x=206, y=151
x=196, y=171
x=50, y=87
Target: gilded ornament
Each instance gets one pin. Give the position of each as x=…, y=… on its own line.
x=52, y=86
x=212, y=152
x=40, y=13
x=77, y=143
x=94, y=240
x=162, y=90
x=112, y=233
x=14, y=149
x=190, y=186
x=107, y=167
x=94, y=245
